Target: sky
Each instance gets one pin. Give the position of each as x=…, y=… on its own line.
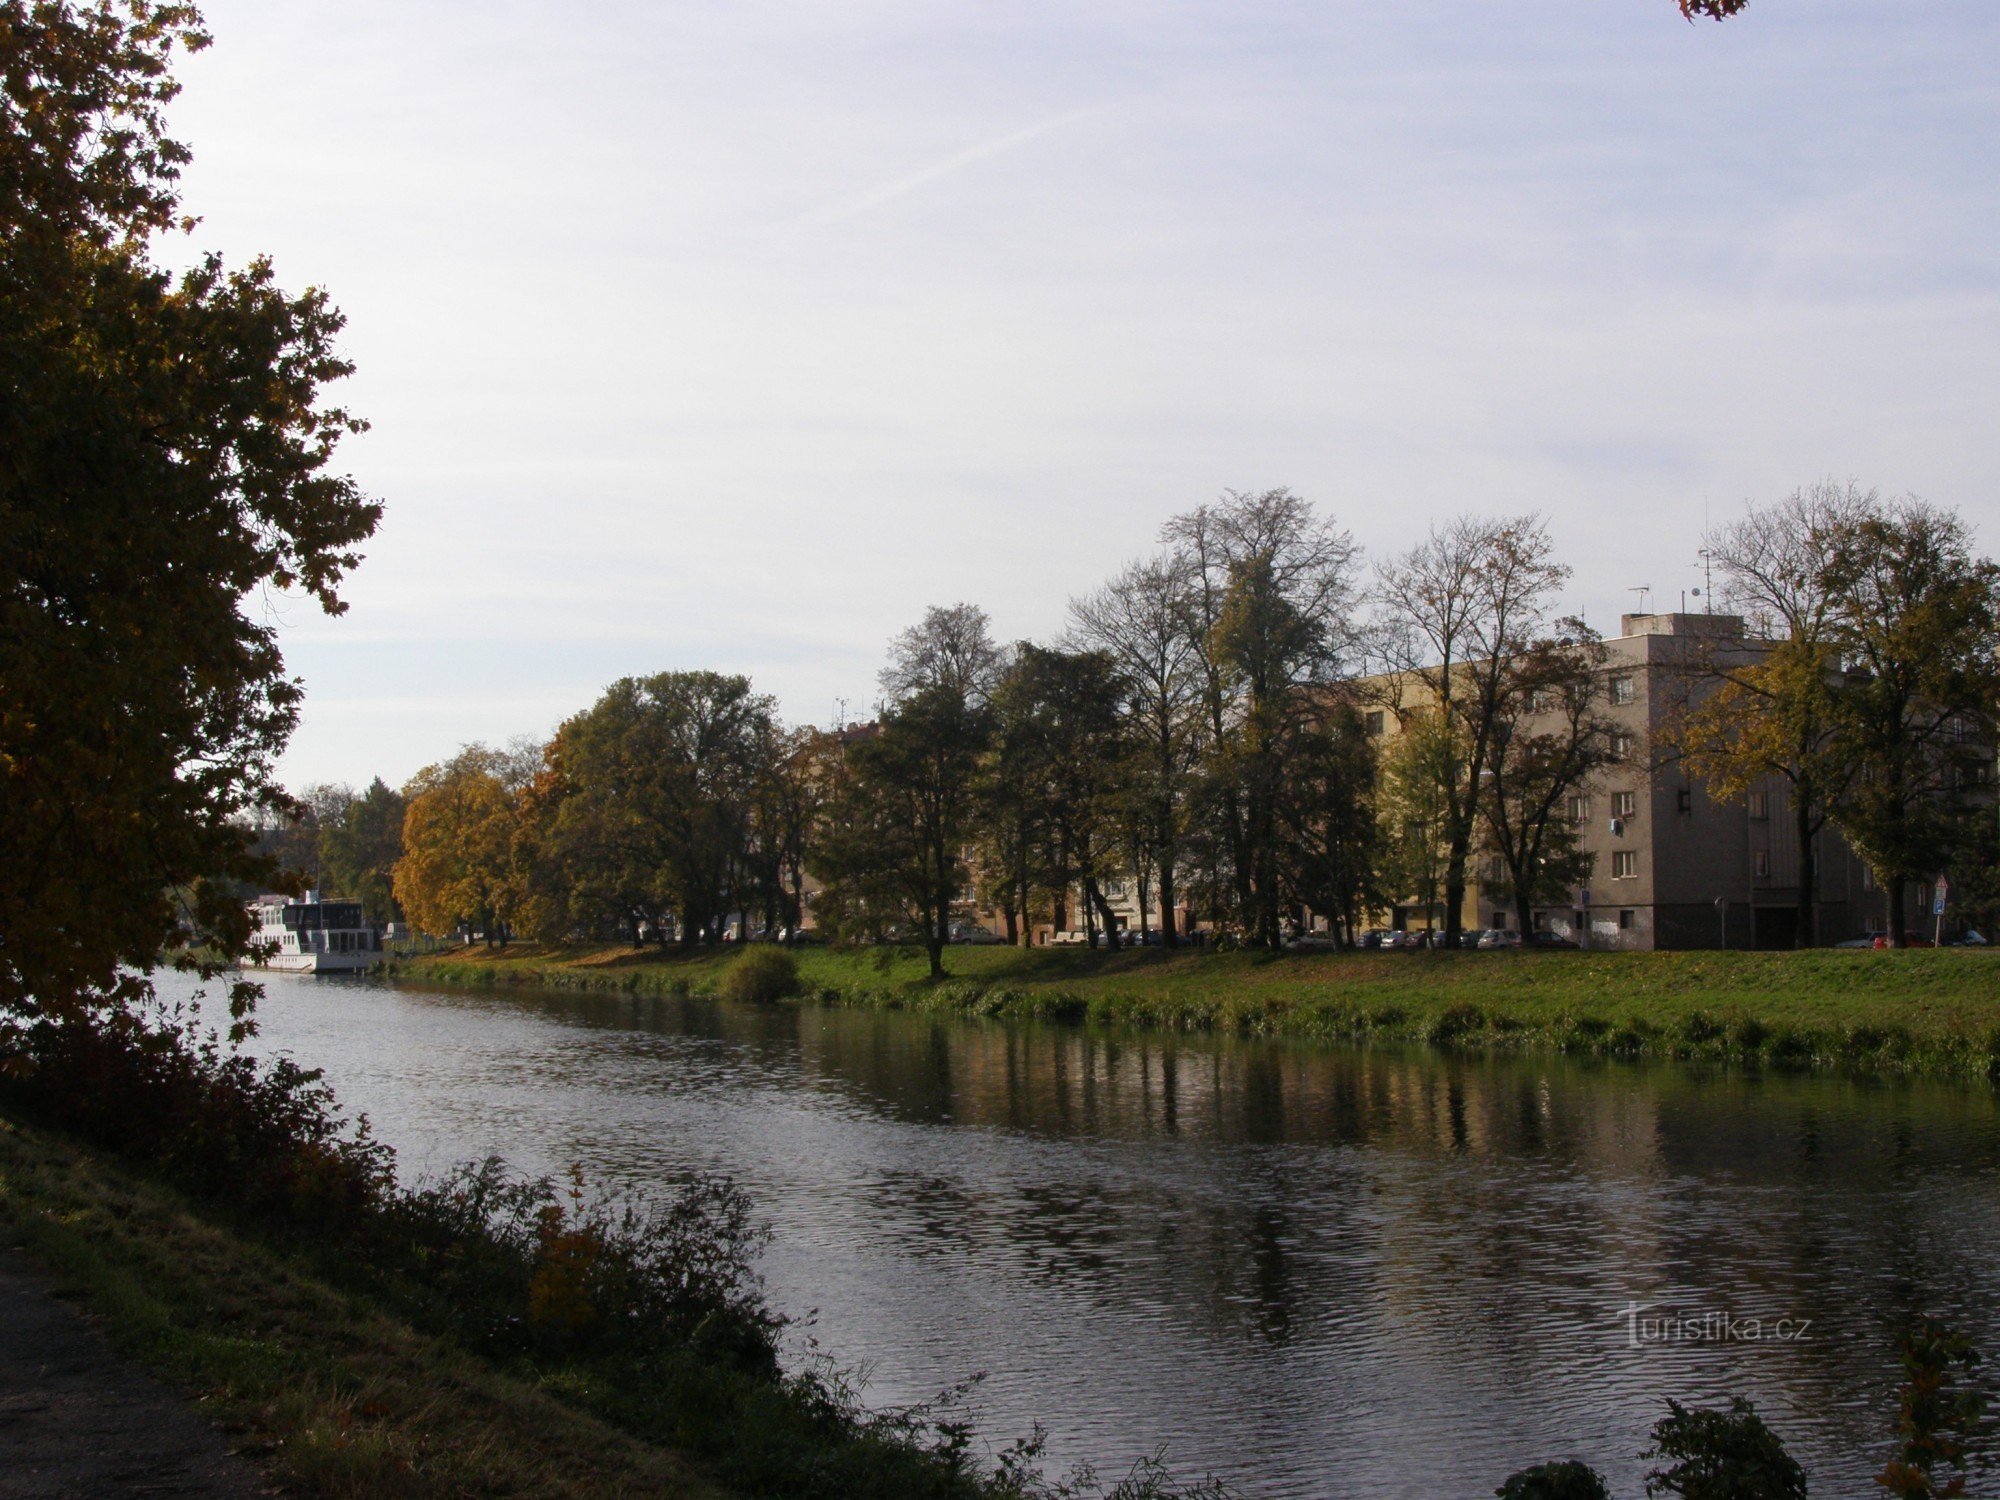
x=732, y=335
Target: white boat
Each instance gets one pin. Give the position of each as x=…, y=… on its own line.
x=312, y=936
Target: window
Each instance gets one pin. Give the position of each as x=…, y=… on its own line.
x=1626, y=921
x=1621, y=745
x=1760, y=863
x=1867, y=879
x=1760, y=805
x=1376, y=721
x=1625, y=864
x=1623, y=689
x=1624, y=804
x=1579, y=810
x=1684, y=799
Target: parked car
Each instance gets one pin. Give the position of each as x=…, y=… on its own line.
x=1068, y=939
x=1371, y=937
x=1499, y=937
x=1549, y=940
x=1470, y=937
x=1312, y=942
x=972, y=932
x=1394, y=941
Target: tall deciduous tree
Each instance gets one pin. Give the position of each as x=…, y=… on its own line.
x=1769, y=711
x=1917, y=623
x=1465, y=605
x=1137, y=621
x=1266, y=607
x=165, y=453
x=1550, y=739
x=358, y=853
x=655, y=811
x=912, y=791
x=459, y=865
x=1059, y=751
x=1328, y=837
x=908, y=817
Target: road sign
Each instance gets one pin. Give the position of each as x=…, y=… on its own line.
x=1937, y=902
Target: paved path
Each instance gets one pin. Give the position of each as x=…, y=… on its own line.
x=78, y=1421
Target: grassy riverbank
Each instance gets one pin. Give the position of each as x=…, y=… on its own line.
x=1934, y=1012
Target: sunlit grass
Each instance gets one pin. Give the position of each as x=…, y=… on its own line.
x=1920, y=1010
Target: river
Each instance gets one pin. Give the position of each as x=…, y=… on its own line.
x=1311, y=1271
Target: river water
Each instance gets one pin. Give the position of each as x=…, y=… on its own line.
x=1311, y=1271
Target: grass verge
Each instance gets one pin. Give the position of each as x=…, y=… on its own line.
x=1927, y=1012
x=329, y=1395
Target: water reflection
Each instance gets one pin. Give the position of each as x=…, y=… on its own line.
x=1318, y=1272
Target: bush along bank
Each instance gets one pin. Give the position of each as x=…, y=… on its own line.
x=567, y=1307
x=1931, y=1014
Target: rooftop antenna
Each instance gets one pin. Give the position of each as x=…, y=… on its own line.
x=1707, y=589
x=839, y=714
x=1643, y=590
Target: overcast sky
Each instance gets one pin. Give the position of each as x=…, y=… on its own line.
x=731, y=335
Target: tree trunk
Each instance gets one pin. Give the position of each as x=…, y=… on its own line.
x=1808, y=937
x=1170, y=936
x=1454, y=900
x=1104, y=910
x=1899, y=915
x=1145, y=917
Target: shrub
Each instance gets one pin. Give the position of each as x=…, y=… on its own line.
x=1565, y=1480
x=1722, y=1455
x=763, y=974
x=1458, y=1021
x=1935, y=1415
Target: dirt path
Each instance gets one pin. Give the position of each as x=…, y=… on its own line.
x=78, y=1420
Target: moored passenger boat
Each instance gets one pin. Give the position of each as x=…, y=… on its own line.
x=312, y=936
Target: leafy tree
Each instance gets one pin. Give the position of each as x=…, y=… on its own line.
x=1549, y=740
x=167, y=450
x=459, y=864
x=359, y=850
x=904, y=818
x=1415, y=767
x=1466, y=605
x=1265, y=607
x=1137, y=621
x=1327, y=834
x=1715, y=10
x=873, y=872
x=655, y=809
x=1769, y=711
x=1916, y=619
x=787, y=788
x=1724, y=1454
x=1058, y=751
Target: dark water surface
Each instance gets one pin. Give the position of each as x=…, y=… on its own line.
x=1312, y=1271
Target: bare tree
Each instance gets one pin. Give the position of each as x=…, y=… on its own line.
x=1464, y=604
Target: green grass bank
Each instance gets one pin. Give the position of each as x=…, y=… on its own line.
x=1934, y=1012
